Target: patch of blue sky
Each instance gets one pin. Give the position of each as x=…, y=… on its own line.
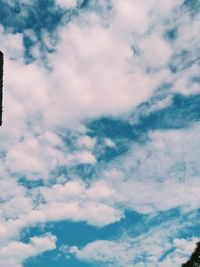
x=80, y=233
x=183, y=111
x=105, y=153
x=36, y=16
x=118, y=131
x=167, y=252
x=195, y=79
x=135, y=224
x=183, y=60
x=174, y=220
x=84, y=4
x=110, y=153
x=171, y=34
x=58, y=171
x=96, y=5
x=69, y=139
x=193, y=6
x=39, y=17
x=111, y=128
x=84, y=171
x=190, y=224
x=193, y=227
x=77, y=233
x=54, y=258
x=30, y=184
x=69, y=233
x=160, y=100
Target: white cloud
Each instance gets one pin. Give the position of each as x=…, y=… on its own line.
x=34, y=157
x=165, y=169
x=67, y=3
x=109, y=142
x=11, y=44
x=14, y=200
x=147, y=249
x=155, y=51
x=106, y=68
x=85, y=157
x=52, y=138
x=15, y=253
x=100, y=191
x=94, y=213
x=91, y=53
x=78, y=190
x=63, y=192
x=132, y=15
x=73, y=201
x=86, y=141
x=185, y=246
x=15, y=207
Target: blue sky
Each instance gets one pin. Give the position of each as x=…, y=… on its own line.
x=99, y=146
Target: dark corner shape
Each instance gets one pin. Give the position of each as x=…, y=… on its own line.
x=1, y=86
x=194, y=260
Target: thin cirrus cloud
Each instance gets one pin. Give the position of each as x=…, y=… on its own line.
x=129, y=65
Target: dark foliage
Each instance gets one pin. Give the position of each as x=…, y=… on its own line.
x=194, y=260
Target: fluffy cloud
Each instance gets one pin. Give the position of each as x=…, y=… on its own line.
x=72, y=201
x=103, y=72
x=15, y=253
x=92, y=93
x=86, y=141
x=67, y=3
x=11, y=44
x=34, y=157
x=165, y=170
x=153, y=248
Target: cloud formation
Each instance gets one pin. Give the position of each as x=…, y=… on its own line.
x=131, y=65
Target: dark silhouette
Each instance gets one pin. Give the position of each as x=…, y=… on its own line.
x=194, y=260
x=1, y=86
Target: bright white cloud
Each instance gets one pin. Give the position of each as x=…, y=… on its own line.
x=94, y=213
x=109, y=142
x=34, y=157
x=15, y=253
x=86, y=141
x=100, y=191
x=85, y=157
x=67, y=3
x=11, y=44
x=156, y=52
x=103, y=73
x=72, y=201
x=161, y=176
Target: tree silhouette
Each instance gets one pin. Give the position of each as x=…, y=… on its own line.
x=1, y=86
x=194, y=260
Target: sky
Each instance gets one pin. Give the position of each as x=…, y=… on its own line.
x=99, y=148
